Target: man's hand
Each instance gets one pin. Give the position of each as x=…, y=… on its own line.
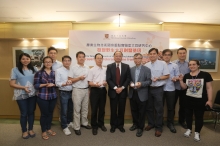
x=82, y=77
x=138, y=84
x=118, y=90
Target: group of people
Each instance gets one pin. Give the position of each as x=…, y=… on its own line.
x=71, y=87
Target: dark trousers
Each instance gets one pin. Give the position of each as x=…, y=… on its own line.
x=182, y=104
x=138, y=110
x=97, y=101
x=169, y=97
x=27, y=108
x=197, y=107
x=117, y=105
x=66, y=105
x=46, y=109
x=155, y=101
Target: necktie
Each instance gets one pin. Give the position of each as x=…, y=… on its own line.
x=117, y=75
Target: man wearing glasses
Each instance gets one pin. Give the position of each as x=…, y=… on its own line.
x=138, y=93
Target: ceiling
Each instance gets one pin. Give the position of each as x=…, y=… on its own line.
x=105, y=11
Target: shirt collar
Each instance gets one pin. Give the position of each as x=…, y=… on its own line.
x=180, y=62
x=139, y=67
x=96, y=66
x=80, y=65
x=154, y=62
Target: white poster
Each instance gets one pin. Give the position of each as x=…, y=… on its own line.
x=107, y=42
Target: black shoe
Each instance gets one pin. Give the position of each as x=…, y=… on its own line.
x=77, y=132
x=139, y=132
x=112, y=130
x=133, y=127
x=87, y=126
x=122, y=129
x=103, y=128
x=171, y=127
x=183, y=124
x=94, y=131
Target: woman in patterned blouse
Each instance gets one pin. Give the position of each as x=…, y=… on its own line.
x=22, y=78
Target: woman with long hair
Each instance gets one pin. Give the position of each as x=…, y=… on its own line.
x=22, y=79
x=44, y=82
x=198, y=96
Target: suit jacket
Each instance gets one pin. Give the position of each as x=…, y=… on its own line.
x=124, y=79
x=145, y=79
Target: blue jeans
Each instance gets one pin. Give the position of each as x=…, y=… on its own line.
x=27, y=108
x=46, y=109
x=66, y=105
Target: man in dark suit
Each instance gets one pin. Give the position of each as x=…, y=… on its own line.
x=118, y=79
x=138, y=93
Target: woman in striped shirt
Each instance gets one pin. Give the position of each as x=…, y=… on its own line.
x=44, y=82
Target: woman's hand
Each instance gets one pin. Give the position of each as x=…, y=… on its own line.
x=26, y=89
x=209, y=103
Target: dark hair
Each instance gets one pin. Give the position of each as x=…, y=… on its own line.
x=42, y=69
x=136, y=54
x=167, y=50
x=98, y=54
x=80, y=52
x=118, y=51
x=66, y=56
x=51, y=48
x=155, y=49
x=20, y=65
x=182, y=48
x=197, y=61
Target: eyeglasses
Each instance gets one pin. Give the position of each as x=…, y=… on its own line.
x=166, y=54
x=137, y=58
x=48, y=62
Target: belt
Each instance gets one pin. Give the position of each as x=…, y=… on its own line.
x=66, y=91
x=155, y=87
x=81, y=88
x=97, y=88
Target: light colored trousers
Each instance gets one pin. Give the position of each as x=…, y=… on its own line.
x=80, y=99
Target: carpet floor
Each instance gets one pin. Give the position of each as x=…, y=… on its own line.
x=10, y=135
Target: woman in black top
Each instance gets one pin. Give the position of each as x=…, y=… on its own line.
x=198, y=96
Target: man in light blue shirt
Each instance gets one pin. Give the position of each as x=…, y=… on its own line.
x=159, y=75
x=169, y=88
x=65, y=90
x=179, y=93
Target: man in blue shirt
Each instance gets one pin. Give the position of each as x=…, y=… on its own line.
x=169, y=88
x=159, y=75
x=179, y=93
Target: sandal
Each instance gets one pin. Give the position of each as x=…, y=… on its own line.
x=31, y=133
x=45, y=136
x=25, y=135
x=52, y=133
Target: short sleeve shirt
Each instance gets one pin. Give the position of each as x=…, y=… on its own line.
x=24, y=80
x=158, y=68
x=197, y=85
x=77, y=71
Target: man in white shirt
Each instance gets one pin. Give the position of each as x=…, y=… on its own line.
x=65, y=90
x=80, y=95
x=159, y=75
x=97, y=82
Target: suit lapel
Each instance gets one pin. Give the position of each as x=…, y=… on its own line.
x=114, y=72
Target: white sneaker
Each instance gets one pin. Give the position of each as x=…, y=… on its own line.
x=188, y=133
x=70, y=124
x=66, y=131
x=197, y=137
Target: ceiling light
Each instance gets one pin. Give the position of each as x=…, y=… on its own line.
x=119, y=20
x=160, y=22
